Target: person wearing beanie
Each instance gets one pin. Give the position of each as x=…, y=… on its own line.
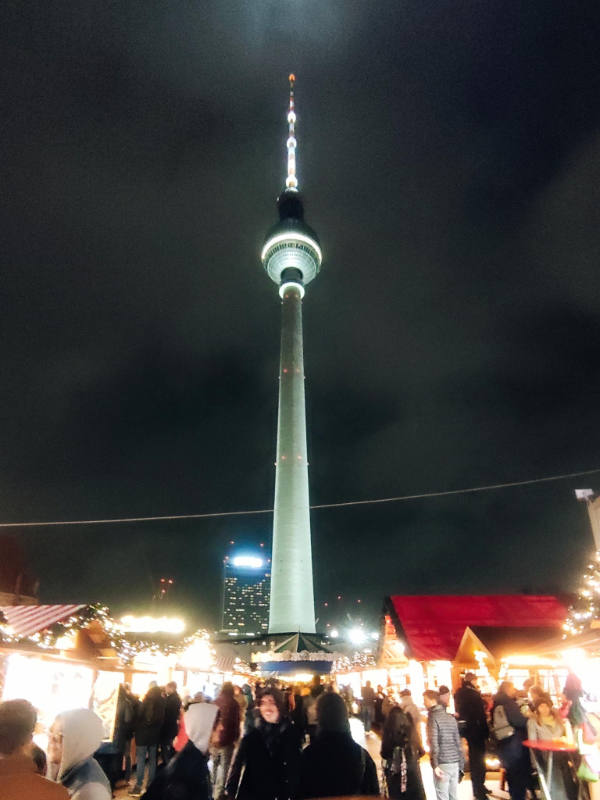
x=334, y=765
x=445, y=695
x=265, y=766
x=546, y=724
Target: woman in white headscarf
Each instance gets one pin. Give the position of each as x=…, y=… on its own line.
x=186, y=776
x=74, y=738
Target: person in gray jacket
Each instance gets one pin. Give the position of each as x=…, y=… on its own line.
x=445, y=751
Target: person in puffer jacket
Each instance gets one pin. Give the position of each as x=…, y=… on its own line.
x=445, y=750
x=74, y=738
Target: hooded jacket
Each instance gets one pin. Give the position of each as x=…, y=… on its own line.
x=186, y=776
x=79, y=772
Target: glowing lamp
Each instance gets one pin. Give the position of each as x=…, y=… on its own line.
x=357, y=636
x=248, y=561
x=152, y=624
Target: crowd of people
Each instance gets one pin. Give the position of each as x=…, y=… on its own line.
x=249, y=744
x=271, y=742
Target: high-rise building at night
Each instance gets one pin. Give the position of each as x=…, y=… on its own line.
x=246, y=592
x=292, y=258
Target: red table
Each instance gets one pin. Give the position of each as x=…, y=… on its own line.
x=549, y=747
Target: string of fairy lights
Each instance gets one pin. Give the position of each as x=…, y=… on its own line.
x=126, y=645
x=587, y=606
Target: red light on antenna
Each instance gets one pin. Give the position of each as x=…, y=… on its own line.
x=292, y=77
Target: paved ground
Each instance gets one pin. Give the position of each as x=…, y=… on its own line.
x=372, y=743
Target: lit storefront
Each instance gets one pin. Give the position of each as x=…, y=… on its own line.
x=63, y=657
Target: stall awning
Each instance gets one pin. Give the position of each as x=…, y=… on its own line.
x=27, y=620
x=433, y=625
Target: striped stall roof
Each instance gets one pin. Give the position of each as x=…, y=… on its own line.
x=27, y=620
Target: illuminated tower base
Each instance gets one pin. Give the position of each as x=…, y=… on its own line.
x=292, y=598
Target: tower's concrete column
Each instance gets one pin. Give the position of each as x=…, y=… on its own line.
x=292, y=598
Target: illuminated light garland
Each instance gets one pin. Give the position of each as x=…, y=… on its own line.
x=350, y=664
x=586, y=608
x=126, y=648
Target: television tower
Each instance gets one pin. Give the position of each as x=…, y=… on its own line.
x=292, y=257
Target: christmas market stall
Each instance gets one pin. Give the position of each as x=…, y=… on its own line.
x=69, y=656
x=429, y=641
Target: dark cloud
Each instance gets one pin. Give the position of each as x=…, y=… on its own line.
x=449, y=154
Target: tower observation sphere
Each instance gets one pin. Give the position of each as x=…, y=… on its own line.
x=292, y=257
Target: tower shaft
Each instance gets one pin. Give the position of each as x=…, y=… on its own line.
x=292, y=606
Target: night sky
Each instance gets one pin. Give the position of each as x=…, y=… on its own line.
x=449, y=154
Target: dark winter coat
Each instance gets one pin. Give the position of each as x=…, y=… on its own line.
x=151, y=715
x=335, y=766
x=514, y=715
x=471, y=712
x=170, y=724
x=266, y=764
x=184, y=778
x=401, y=745
x=227, y=729
x=444, y=738
x=126, y=718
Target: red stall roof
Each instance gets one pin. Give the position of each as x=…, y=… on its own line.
x=433, y=625
x=27, y=620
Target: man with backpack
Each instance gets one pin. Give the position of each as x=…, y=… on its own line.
x=472, y=723
x=509, y=729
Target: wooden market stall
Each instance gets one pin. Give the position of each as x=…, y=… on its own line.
x=75, y=656
x=430, y=640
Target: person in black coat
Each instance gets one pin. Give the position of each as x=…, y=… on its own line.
x=334, y=765
x=186, y=776
x=511, y=751
x=147, y=734
x=401, y=750
x=125, y=721
x=474, y=727
x=170, y=725
x=265, y=766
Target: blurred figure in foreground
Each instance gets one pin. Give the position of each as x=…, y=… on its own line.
x=334, y=765
x=401, y=750
x=19, y=776
x=74, y=738
x=186, y=776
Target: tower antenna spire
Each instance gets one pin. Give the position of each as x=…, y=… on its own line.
x=291, y=181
